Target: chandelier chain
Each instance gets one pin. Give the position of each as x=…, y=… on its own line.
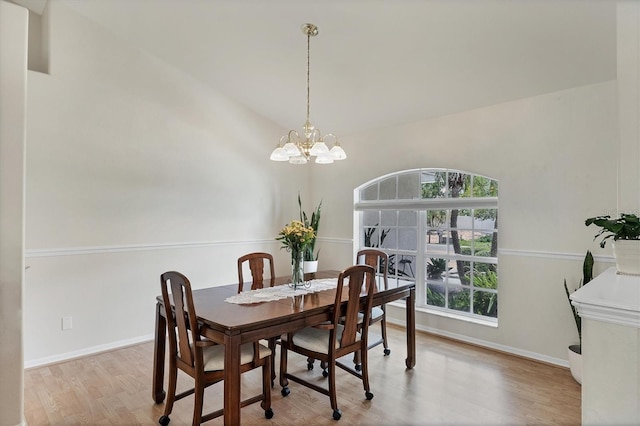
x=298, y=150
x=308, y=70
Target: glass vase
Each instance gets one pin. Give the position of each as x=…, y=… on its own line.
x=297, y=270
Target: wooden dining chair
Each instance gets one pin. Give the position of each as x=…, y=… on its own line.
x=200, y=358
x=380, y=262
x=339, y=337
x=256, y=262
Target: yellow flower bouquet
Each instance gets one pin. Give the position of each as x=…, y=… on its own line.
x=295, y=237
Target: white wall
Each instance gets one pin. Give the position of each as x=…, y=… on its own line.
x=555, y=158
x=628, y=76
x=134, y=169
x=13, y=84
x=124, y=182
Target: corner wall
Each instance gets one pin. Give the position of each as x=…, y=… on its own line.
x=13, y=86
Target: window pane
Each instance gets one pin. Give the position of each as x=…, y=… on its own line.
x=403, y=265
x=434, y=237
x=458, y=184
x=388, y=189
x=484, y=187
x=485, y=303
x=435, y=294
x=369, y=193
x=408, y=218
x=389, y=238
x=485, y=275
x=433, y=184
x=464, y=219
x=459, y=299
x=460, y=242
x=371, y=237
x=494, y=188
x=370, y=218
x=485, y=218
x=437, y=219
x=436, y=244
x=389, y=218
x=436, y=268
x=482, y=244
x=408, y=186
x=459, y=272
x=407, y=239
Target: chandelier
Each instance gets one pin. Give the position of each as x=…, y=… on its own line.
x=299, y=150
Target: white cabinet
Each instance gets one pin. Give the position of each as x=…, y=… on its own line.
x=610, y=309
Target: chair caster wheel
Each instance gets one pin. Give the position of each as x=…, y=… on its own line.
x=358, y=367
x=285, y=391
x=325, y=373
x=268, y=413
x=309, y=366
x=369, y=396
x=164, y=420
x=337, y=414
x=387, y=352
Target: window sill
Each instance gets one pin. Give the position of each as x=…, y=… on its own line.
x=452, y=315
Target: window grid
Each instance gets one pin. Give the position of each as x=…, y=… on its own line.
x=454, y=267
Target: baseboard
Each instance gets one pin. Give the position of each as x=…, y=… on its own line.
x=486, y=344
x=40, y=362
x=68, y=356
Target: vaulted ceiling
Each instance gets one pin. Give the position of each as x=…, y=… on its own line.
x=374, y=63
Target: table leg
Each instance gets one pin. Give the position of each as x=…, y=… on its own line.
x=232, y=380
x=157, y=391
x=411, y=329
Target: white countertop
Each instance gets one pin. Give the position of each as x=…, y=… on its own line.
x=610, y=297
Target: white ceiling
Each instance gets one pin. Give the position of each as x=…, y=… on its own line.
x=374, y=63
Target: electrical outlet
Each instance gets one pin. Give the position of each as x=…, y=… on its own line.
x=67, y=323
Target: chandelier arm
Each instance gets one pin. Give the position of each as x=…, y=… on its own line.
x=294, y=139
x=330, y=136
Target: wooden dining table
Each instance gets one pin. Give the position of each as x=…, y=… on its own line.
x=233, y=324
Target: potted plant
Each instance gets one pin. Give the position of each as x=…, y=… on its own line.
x=625, y=232
x=575, y=351
x=309, y=254
x=436, y=267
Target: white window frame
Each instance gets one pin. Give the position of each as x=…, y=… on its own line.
x=421, y=206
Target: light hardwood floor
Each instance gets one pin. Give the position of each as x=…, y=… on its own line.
x=452, y=384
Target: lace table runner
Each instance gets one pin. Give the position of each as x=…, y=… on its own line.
x=281, y=292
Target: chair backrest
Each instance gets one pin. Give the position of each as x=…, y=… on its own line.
x=360, y=281
x=256, y=266
x=184, y=315
x=379, y=261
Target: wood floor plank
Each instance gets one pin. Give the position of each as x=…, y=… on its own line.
x=452, y=384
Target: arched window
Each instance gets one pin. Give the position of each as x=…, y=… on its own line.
x=440, y=229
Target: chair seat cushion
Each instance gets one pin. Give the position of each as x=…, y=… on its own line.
x=316, y=339
x=213, y=356
x=376, y=313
